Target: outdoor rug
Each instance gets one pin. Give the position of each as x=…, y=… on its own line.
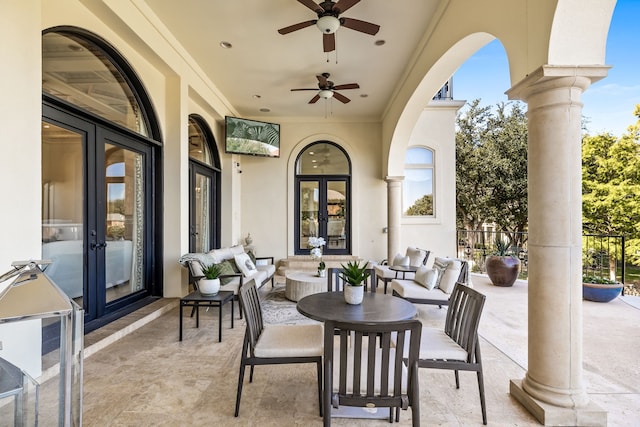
x=277, y=309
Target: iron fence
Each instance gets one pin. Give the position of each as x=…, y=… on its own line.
x=602, y=255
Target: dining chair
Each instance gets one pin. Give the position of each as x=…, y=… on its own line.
x=456, y=347
x=266, y=344
x=336, y=284
x=369, y=373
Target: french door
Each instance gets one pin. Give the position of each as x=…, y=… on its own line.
x=203, y=235
x=96, y=212
x=323, y=210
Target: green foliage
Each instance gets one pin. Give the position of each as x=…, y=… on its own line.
x=502, y=248
x=611, y=186
x=598, y=280
x=211, y=271
x=422, y=206
x=353, y=273
x=491, y=167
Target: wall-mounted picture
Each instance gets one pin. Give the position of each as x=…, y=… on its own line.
x=252, y=137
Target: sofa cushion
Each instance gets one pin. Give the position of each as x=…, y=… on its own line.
x=416, y=256
x=245, y=265
x=412, y=290
x=268, y=269
x=426, y=277
x=226, y=267
x=450, y=277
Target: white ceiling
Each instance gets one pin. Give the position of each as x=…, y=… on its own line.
x=263, y=62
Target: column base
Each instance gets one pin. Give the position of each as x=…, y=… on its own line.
x=550, y=415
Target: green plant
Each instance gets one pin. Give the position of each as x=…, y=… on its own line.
x=211, y=272
x=502, y=248
x=353, y=274
x=322, y=265
x=598, y=280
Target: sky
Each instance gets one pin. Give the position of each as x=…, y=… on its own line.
x=608, y=103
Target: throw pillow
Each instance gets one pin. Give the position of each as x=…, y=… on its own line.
x=440, y=265
x=416, y=256
x=226, y=267
x=244, y=264
x=450, y=277
x=252, y=257
x=401, y=260
x=426, y=277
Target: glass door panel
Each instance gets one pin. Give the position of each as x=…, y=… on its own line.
x=336, y=197
x=62, y=208
x=309, y=213
x=202, y=213
x=124, y=222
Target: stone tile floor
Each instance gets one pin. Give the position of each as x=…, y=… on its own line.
x=139, y=374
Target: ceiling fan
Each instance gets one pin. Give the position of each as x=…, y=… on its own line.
x=328, y=90
x=329, y=21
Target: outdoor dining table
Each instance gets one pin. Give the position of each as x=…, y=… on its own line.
x=375, y=308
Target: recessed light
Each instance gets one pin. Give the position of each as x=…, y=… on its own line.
x=311, y=153
x=265, y=110
x=379, y=42
x=225, y=45
x=363, y=95
x=256, y=96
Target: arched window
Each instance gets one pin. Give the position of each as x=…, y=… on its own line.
x=417, y=194
x=204, y=197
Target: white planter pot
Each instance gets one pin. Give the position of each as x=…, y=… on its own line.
x=209, y=286
x=322, y=272
x=353, y=294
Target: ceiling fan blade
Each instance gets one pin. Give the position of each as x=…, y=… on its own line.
x=343, y=5
x=295, y=90
x=340, y=97
x=362, y=26
x=322, y=80
x=347, y=86
x=312, y=5
x=314, y=99
x=296, y=27
x=329, y=42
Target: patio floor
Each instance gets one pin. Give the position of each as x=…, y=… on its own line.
x=137, y=373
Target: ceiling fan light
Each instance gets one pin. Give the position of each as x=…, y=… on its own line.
x=325, y=94
x=328, y=24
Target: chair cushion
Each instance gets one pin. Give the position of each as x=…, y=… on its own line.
x=426, y=277
x=268, y=269
x=435, y=344
x=401, y=260
x=450, y=276
x=290, y=341
x=416, y=256
x=363, y=372
x=411, y=289
x=245, y=265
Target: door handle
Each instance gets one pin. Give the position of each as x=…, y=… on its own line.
x=95, y=245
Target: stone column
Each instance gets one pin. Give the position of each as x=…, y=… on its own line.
x=394, y=215
x=553, y=389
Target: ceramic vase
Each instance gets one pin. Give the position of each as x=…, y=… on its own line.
x=353, y=294
x=209, y=287
x=601, y=292
x=322, y=272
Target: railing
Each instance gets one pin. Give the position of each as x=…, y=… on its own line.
x=602, y=255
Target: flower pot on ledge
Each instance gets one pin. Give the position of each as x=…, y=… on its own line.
x=601, y=292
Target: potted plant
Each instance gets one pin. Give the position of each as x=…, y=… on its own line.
x=316, y=244
x=354, y=276
x=502, y=268
x=210, y=283
x=600, y=289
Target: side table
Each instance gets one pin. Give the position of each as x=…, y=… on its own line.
x=196, y=300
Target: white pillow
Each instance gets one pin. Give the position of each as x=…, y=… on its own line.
x=448, y=281
x=426, y=277
x=401, y=260
x=440, y=265
x=416, y=256
x=245, y=264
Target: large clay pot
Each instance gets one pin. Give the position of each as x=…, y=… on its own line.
x=353, y=294
x=601, y=292
x=502, y=270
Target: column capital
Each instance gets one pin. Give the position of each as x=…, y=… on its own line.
x=390, y=179
x=549, y=77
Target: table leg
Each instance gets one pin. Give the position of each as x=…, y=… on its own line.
x=220, y=321
x=181, y=305
x=197, y=315
x=231, y=313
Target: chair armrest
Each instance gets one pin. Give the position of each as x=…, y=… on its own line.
x=267, y=258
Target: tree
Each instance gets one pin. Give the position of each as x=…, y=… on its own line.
x=422, y=206
x=491, y=168
x=611, y=186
